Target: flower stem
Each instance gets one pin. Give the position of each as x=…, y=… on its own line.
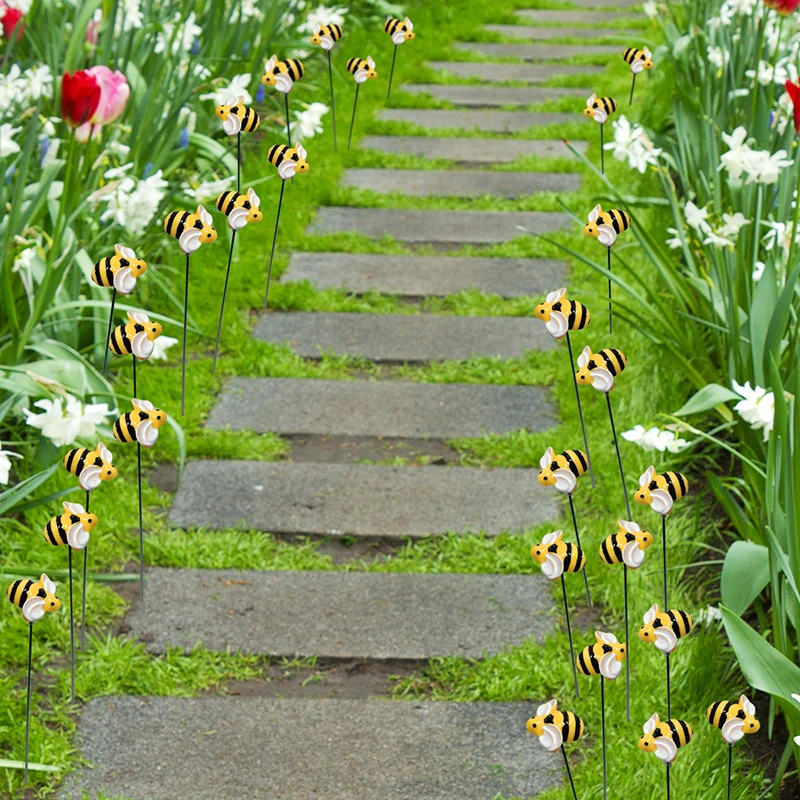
x=796, y=212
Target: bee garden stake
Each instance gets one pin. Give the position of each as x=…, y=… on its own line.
x=599, y=109
x=91, y=468
x=627, y=547
x=604, y=226
x=141, y=426
x=639, y=59
x=288, y=161
x=237, y=117
x=734, y=721
x=557, y=557
x=72, y=529
x=560, y=317
x=34, y=599
x=136, y=337
x=326, y=37
x=239, y=209
x=562, y=471
x=665, y=739
x=119, y=272
x=554, y=727
x=283, y=75
x=191, y=231
x=361, y=70
x=400, y=31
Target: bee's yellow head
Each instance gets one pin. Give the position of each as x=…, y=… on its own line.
x=648, y=743
x=108, y=472
x=643, y=496
x=223, y=112
x=410, y=35
x=316, y=37
x=255, y=215
x=647, y=63
x=592, y=229
x=546, y=477
x=535, y=725
x=153, y=330
x=539, y=553
x=647, y=633
x=302, y=165
x=209, y=234
x=51, y=603
x=645, y=539
x=543, y=311
x=588, y=111
x=89, y=521
x=268, y=78
x=584, y=376
x=157, y=417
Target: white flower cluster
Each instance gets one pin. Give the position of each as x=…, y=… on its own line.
x=64, y=425
x=308, y=123
x=655, y=439
x=236, y=88
x=730, y=8
x=697, y=219
x=129, y=16
x=180, y=33
x=5, y=464
x=757, y=407
x=130, y=203
x=322, y=15
x=760, y=166
x=20, y=88
x=631, y=142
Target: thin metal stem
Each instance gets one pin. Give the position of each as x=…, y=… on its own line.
x=274, y=239
x=28, y=703
x=664, y=539
x=610, y=315
x=668, y=792
x=83, y=597
x=669, y=692
x=288, y=124
x=602, y=152
x=353, y=119
x=578, y=540
x=135, y=393
x=730, y=769
x=569, y=773
x=391, y=73
x=222, y=306
x=619, y=458
x=141, y=532
x=569, y=635
x=628, y=648
x=603, y=727
x=110, y=323
x=630, y=103
x=185, y=315
x=333, y=108
x=580, y=410
x=239, y=161
x=71, y=630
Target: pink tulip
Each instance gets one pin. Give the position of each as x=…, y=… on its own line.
x=114, y=93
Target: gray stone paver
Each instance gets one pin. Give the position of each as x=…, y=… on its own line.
x=576, y=17
x=493, y=121
x=379, y=408
x=522, y=73
x=444, y=227
x=463, y=183
x=230, y=748
x=417, y=276
x=358, y=499
x=371, y=615
x=472, y=150
x=546, y=34
x=404, y=337
x=541, y=52
x=483, y=96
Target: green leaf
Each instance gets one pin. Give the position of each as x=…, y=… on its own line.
x=10, y=497
x=707, y=398
x=7, y=764
x=745, y=574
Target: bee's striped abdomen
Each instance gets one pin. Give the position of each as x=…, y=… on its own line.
x=588, y=663
x=177, y=222
x=613, y=359
x=574, y=558
x=334, y=31
x=121, y=338
x=19, y=591
x=55, y=531
x=124, y=429
x=574, y=461
x=227, y=201
x=632, y=53
x=75, y=460
x=608, y=104
x=103, y=273
x=576, y=313
x=391, y=25
x=718, y=713
x=572, y=728
x=277, y=153
x=250, y=120
x=677, y=730
x=611, y=549
x=617, y=219
x=293, y=68
x=675, y=484
x=355, y=64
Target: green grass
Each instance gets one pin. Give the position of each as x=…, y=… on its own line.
x=703, y=666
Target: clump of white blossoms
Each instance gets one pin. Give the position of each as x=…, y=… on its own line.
x=160, y=347
x=757, y=407
x=236, y=88
x=308, y=123
x=179, y=33
x=64, y=425
x=209, y=189
x=655, y=439
x=322, y=15
x=5, y=464
x=632, y=143
x=131, y=203
x=760, y=166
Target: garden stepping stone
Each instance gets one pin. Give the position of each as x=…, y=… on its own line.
x=606, y=3
x=540, y=52
x=464, y=183
x=163, y=748
x=469, y=150
x=418, y=276
x=359, y=499
x=494, y=121
x=576, y=17
x=522, y=73
x=365, y=615
x=444, y=227
x=481, y=96
x=379, y=408
x=403, y=337
x=545, y=34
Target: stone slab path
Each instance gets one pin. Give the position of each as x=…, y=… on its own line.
x=541, y=52
x=341, y=615
x=379, y=408
x=522, y=73
x=487, y=96
x=358, y=500
x=492, y=121
x=575, y=17
x=420, y=276
x=545, y=34
x=472, y=151
x=403, y=337
x=165, y=748
x=465, y=183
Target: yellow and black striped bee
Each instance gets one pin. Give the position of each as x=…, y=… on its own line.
x=361, y=69
x=326, y=36
x=638, y=58
x=557, y=556
x=140, y=425
x=554, y=727
x=237, y=117
x=137, y=336
x=400, y=30
x=562, y=470
x=604, y=658
x=627, y=546
x=734, y=720
x=665, y=738
x=665, y=628
x=90, y=466
x=661, y=491
x=561, y=315
x=72, y=527
x=282, y=74
x=605, y=225
x=600, y=108
x=288, y=160
x=34, y=598
x=119, y=271
x=240, y=208
x=600, y=369
x=191, y=230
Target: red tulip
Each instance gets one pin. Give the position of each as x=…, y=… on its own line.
x=783, y=7
x=80, y=96
x=794, y=94
x=11, y=20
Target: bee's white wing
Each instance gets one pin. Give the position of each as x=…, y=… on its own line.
x=73, y=508
x=595, y=213
x=651, y=614
x=602, y=379
x=666, y=640
x=590, y=100
x=633, y=555
x=600, y=115
x=104, y=453
x=583, y=358
x=77, y=536
x=360, y=76
x=637, y=65
x=190, y=240
x=661, y=501
x=733, y=730
x=205, y=217
x=124, y=252
x=647, y=476
x=608, y=236
x=647, y=52
x=370, y=62
x=553, y=567
x=610, y=667
x=89, y=478
x=547, y=459
x=551, y=738
x=33, y=609
x=286, y=169
x=409, y=24
x=398, y=37
x=141, y=347
x=650, y=725
x=138, y=316
x=283, y=83
x=605, y=638
x=551, y=537
x=554, y=297
x=146, y=434
x=237, y=219
x=142, y=405
x=628, y=525
x=545, y=708
x=232, y=125
x=565, y=481
x=49, y=586
x=748, y=707
x=301, y=151
x=124, y=282
x=557, y=325
x=270, y=65
x=254, y=199
x=666, y=749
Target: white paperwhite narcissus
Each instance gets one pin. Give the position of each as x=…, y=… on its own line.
x=64, y=425
x=236, y=88
x=322, y=15
x=187, y=31
x=733, y=224
x=757, y=407
x=308, y=123
x=696, y=218
x=5, y=464
x=8, y=147
x=209, y=189
x=632, y=143
x=131, y=203
x=655, y=439
x=160, y=347
x=734, y=160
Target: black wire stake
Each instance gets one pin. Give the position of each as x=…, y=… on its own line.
x=222, y=306
x=110, y=323
x=239, y=161
x=333, y=108
x=603, y=728
x=610, y=317
x=619, y=458
x=289, y=124
x=185, y=314
x=630, y=103
x=28, y=702
x=83, y=598
x=569, y=773
x=664, y=539
x=353, y=119
x=730, y=768
x=628, y=652
x=134, y=376
x=602, y=152
x=569, y=635
x=391, y=73
x=669, y=692
x=578, y=540
x=275, y=238
x=668, y=792
x=141, y=530
x=580, y=411
x=71, y=629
